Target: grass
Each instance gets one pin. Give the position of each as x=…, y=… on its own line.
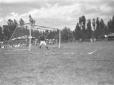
x=73, y=64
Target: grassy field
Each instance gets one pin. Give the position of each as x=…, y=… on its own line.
x=73, y=64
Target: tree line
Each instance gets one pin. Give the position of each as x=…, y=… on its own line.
x=85, y=29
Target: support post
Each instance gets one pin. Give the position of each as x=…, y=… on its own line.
x=59, y=38
x=30, y=37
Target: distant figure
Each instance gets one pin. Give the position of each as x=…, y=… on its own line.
x=43, y=41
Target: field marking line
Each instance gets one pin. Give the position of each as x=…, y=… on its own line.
x=92, y=52
x=17, y=53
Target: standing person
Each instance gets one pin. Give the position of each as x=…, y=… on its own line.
x=43, y=41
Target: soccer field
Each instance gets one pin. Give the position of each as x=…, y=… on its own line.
x=73, y=64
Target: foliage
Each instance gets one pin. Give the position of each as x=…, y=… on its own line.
x=85, y=29
x=111, y=25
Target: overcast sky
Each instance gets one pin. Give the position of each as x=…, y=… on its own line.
x=55, y=13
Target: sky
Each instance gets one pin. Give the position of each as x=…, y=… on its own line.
x=55, y=13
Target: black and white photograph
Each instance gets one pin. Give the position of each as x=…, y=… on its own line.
x=56, y=42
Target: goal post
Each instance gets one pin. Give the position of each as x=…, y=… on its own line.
x=30, y=37
x=23, y=35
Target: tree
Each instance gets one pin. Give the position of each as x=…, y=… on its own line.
x=21, y=22
x=10, y=22
x=93, y=24
x=31, y=20
x=82, y=22
x=66, y=34
x=97, y=31
x=111, y=25
x=102, y=28
x=1, y=34
x=89, y=29
x=77, y=32
x=36, y=34
x=6, y=32
x=93, y=37
x=9, y=28
x=15, y=22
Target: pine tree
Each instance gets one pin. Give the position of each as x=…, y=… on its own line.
x=82, y=22
x=77, y=32
x=111, y=25
x=89, y=31
x=97, y=31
